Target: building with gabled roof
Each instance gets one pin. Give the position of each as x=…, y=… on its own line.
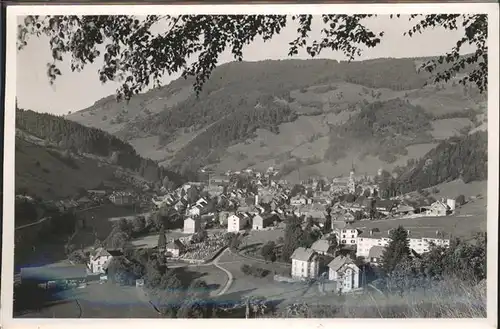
x=305, y=263
x=175, y=248
x=345, y=273
x=322, y=247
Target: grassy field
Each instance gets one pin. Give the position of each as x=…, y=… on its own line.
x=456, y=226
x=446, y=128
x=99, y=220
x=42, y=173
x=245, y=285
x=454, y=188
x=262, y=236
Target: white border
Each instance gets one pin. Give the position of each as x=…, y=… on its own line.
x=491, y=9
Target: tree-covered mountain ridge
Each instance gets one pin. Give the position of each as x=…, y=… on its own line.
x=55, y=157
x=308, y=114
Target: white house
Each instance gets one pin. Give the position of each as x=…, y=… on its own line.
x=298, y=201
x=346, y=235
x=438, y=208
x=192, y=225
x=345, y=273
x=100, y=259
x=237, y=222
x=260, y=222
x=417, y=242
x=194, y=211
x=367, y=240
x=175, y=248
x=424, y=244
x=305, y=263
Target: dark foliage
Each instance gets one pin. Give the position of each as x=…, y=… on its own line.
x=384, y=129
x=76, y=138
x=458, y=157
x=146, y=57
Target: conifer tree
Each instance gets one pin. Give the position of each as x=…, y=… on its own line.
x=162, y=239
x=397, y=251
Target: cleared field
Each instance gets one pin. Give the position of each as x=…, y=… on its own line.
x=457, y=187
x=246, y=285
x=442, y=102
x=148, y=147
x=151, y=240
x=446, y=128
x=263, y=236
x=112, y=301
x=458, y=226
x=99, y=220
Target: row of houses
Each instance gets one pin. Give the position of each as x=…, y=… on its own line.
x=341, y=270
x=369, y=244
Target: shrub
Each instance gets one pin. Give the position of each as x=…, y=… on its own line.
x=255, y=271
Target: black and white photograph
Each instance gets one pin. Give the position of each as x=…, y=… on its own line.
x=214, y=162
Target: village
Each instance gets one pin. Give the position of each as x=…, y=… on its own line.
x=351, y=222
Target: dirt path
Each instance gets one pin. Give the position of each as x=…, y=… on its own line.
x=230, y=277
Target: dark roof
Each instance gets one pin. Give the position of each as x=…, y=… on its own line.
x=175, y=244
x=376, y=252
x=115, y=252
x=48, y=273
x=359, y=201
x=387, y=204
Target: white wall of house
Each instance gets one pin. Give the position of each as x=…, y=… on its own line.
x=96, y=265
x=191, y=226
x=257, y=223
x=365, y=244
x=437, y=209
x=420, y=245
x=235, y=223
x=346, y=236
x=346, y=281
x=424, y=244
x=194, y=211
x=175, y=252
x=305, y=269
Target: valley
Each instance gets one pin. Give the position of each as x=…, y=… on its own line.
x=223, y=126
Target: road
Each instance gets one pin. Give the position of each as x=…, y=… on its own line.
x=230, y=277
x=45, y=218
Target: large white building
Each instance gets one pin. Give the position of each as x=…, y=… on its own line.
x=420, y=243
x=346, y=234
x=192, y=225
x=305, y=263
x=237, y=222
x=100, y=259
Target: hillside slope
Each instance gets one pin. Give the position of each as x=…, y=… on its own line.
x=297, y=114
x=55, y=158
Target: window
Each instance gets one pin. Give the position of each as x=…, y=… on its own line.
x=353, y=241
x=361, y=239
x=343, y=241
x=344, y=231
x=352, y=236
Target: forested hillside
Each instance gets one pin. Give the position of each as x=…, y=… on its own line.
x=382, y=129
x=65, y=144
x=464, y=157
x=366, y=109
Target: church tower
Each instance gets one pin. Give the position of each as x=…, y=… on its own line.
x=352, y=182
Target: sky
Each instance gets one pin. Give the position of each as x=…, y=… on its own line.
x=74, y=91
